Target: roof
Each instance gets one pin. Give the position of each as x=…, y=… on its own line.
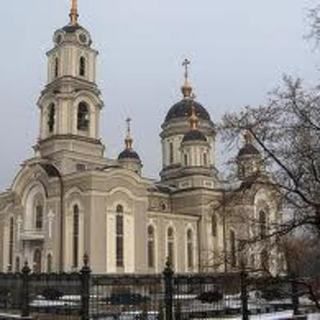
x=194, y=135
x=72, y=28
x=184, y=109
x=128, y=154
x=248, y=149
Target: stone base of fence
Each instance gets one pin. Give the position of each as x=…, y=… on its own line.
x=54, y=317
x=5, y=316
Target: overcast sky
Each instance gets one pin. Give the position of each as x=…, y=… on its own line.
x=239, y=50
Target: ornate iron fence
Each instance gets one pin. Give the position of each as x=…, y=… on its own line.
x=165, y=296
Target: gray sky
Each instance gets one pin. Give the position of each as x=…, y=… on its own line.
x=239, y=50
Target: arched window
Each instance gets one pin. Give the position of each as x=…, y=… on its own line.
x=39, y=217
x=170, y=246
x=83, y=117
x=119, y=237
x=190, y=249
x=37, y=261
x=205, y=159
x=82, y=66
x=51, y=117
x=171, y=153
x=17, y=264
x=56, y=67
x=233, y=254
x=151, y=247
x=263, y=224
x=75, y=236
x=185, y=159
x=49, y=263
x=214, y=225
x=11, y=243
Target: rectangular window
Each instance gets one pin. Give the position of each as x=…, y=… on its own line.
x=11, y=243
x=75, y=240
x=119, y=241
x=190, y=255
x=39, y=217
x=171, y=253
x=150, y=254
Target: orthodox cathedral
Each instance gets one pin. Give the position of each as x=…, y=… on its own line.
x=69, y=199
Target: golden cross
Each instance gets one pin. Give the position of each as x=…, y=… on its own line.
x=186, y=64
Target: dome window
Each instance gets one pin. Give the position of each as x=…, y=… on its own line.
x=83, y=117
x=51, y=117
x=82, y=67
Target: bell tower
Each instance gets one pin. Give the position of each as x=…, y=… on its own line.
x=71, y=102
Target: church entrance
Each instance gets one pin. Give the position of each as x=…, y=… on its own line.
x=37, y=257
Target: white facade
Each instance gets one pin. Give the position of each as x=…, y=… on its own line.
x=69, y=199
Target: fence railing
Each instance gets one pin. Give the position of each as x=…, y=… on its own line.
x=166, y=296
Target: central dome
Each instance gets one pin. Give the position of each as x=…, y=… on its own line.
x=183, y=109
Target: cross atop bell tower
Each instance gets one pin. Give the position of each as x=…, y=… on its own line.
x=74, y=12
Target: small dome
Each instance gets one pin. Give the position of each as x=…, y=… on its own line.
x=194, y=135
x=128, y=154
x=184, y=109
x=72, y=28
x=248, y=150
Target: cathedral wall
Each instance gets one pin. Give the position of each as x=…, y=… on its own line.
x=180, y=225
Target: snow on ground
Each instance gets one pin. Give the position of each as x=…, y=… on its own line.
x=274, y=316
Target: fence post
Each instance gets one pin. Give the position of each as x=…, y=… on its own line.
x=244, y=294
x=85, y=288
x=25, y=311
x=168, y=283
x=294, y=294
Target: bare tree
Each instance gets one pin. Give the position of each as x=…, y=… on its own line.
x=314, y=18
x=287, y=132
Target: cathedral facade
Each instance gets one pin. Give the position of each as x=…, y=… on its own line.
x=69, y=199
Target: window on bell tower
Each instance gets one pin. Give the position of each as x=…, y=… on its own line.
x=83, y=117
x=51, y=117
x=56, y=67
x=82, y=66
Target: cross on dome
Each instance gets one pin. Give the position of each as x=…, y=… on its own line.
x=74, y=12
x=128, y=140
x=186, y=88
x=186, y=64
